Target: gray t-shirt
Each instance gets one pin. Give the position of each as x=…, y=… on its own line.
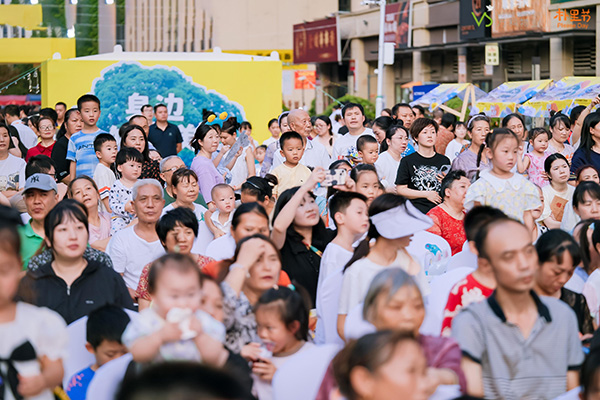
x=515, y=367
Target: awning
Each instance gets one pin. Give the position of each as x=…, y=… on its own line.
x=445, y=92
x=411, y=84
x=505, y=98
x=21, y=100
x=564, y=95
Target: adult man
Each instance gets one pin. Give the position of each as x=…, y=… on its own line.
x=148, y=112
x=165, y=136
x=135, y=246
x=40, y=197
x=140, y=121
x=404, y=112
x=168, y=165
x=515, y=344
x=61, y=109
x=27, y=136
x=315, y=154
x=445, y=133
x=354, y=118
x=419, y=111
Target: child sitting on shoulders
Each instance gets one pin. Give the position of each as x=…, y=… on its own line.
x=105, y=326
x=291, y=173
x=129, y=164
x=368, y=149
x=219, y=221
x=174, y=327
x=105, y=146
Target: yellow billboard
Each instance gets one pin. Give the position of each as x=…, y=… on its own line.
x=250, y=90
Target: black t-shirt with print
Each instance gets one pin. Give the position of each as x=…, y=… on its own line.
x=421, y=173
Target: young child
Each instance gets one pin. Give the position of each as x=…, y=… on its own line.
x=456, y=146
x=282, y=325
x=81, y=144
x=259, y=157
x=368, y=149
x=105, y=326
x=558, y=193
x=396, y=138
x=350, y=213
x=501, y=188
x=129, y=164
x=291, y=173
x=37, y=334
x=219, y=222
x=533, y=162
x=174, y=327
x=105, y=146
x=367, y=181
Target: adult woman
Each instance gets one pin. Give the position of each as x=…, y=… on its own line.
x=381, y=125
x=84, y=190
x=260, y=190
x=12, y=169
x=381, y=366
x=185, y=191
x=73, y=123
x=558, y=255
x=248, y=219
x=448, y=217
x=253, y=270
x=584, y=205
x=558, y=193
x=324, y=132
x=134, y=136
x=589, y=149
x=300, y=234
x=177, y=230
x=205, y=143
x=46, y=129
x=71, y=285
x=395, y=143
x=516, y=123
x=560, y=128
x=32, y=122
x=473, y=160
x=243, y=166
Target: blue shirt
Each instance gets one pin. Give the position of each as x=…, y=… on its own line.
x=78, y=384
x=81, y=150
x=581, y=158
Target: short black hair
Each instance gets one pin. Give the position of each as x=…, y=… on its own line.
x=363, y=140
x=289, y=136
x=129, y=154
x=349, y=106
x=60, y=103
x=50, y=113
x=590, y=367
x=417, y=127
x=272, y=121
x=101, y=139
x=64, y=210
x=181, y=174
x=106, y=323
x=340, y=201
x=449, y=179
x=589, y=187
x=39, y=164
x=12, y=110
x=399, y=106
x=448, y=120
x=246, y=125
x=182, y=380
x=177, y=216
x=482, y=234
x=159, y=105
x=418, y=107
x=552, y=244
x=479, y=216
x=145, y=106
x=292, y=306
x=87, y=98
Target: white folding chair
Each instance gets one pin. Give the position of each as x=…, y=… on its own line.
x=424, y=244
x=108, y=378
x=463, y=259
x=436, y=301
x=301, y=376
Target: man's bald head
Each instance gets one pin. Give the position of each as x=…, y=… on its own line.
x=299, y=121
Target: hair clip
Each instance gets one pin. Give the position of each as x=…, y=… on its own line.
x=592, y=226
x=292, y=287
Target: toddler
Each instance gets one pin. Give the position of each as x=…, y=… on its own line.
x=291, y=173
x=219, y=222
x=129, y=164
x=533, y=162
x=368, y=149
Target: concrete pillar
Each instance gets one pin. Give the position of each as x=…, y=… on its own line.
x=360, y=87
x=420, y=67
x=389, y=86
x=561, y=58
x=107, y=26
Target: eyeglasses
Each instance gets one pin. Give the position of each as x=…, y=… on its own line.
x=46, y=128
x=172, y=169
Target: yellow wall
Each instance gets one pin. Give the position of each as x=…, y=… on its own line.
x=34, y=50
x=255, y=85
x=26, y=16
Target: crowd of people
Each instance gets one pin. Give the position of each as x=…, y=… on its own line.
x=405, y=257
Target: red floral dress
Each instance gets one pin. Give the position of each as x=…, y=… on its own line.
x=448, y=227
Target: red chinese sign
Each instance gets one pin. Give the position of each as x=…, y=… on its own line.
x=316, y=42
x=309, y=80
x=396, y=23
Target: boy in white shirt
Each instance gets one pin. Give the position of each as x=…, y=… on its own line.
x=219, y=222
x=105, y=147
x=291, y=173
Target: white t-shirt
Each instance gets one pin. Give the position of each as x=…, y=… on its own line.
x=329, y=288
x=226, y=227
x=387, y=169
x=346, y=144
x=104, y=178
x=47, y=333
x=27, y=135
x=12, y=173
x=358, y=277
x=560, y=204
x=269, y=141
x=453, y=149
x=222, y=248
x=130, y=253
x=205, y=236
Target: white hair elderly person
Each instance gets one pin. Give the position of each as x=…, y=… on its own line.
x=168, y=165
x=137, y=245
